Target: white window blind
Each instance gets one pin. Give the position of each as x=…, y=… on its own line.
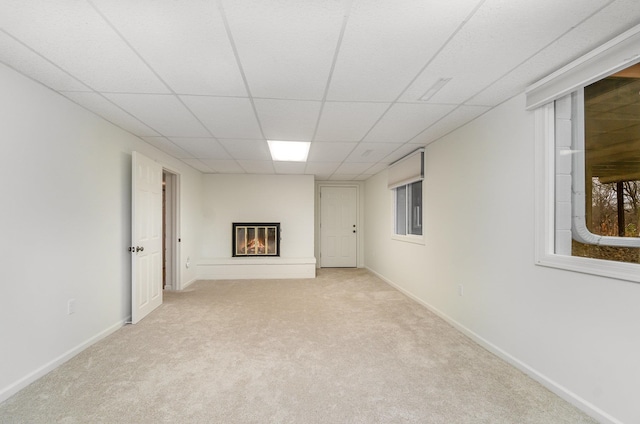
x=611, y=57
x=407, y=170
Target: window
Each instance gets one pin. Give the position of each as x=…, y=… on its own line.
x=588, y=160
x=408, y=209
x=609, y=171
x=405, y=181
x=596, y=171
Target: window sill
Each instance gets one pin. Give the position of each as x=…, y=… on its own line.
x=408, y=239
x=603, y=268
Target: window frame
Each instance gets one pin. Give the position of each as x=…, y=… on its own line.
x=411, y=238
x=545, y=201
x=607, y=59
x=581, y=233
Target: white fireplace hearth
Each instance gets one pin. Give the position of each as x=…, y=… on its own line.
x=255, y=254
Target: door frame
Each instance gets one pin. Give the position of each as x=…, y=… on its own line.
x=359, y=186
x=171, y=229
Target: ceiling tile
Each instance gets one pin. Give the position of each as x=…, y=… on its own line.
x=226, y=117
x=454, y=120
x=257, y=166
x=353, y=168
x=605, y=25
x=388, y=42
x=168, y=147
x=75, y=37
x=168, y=68
x=503, y=26
x=204, y=148
x=26, y=61
x=109, y=111
x=224, y=166
x=343, y=177
x=363, y=177
x=187, y=46
x=504, y=89
x=197, y=164
x=286, y=47
x=288, y=120
x=322, y=170
x=371, y=152
x=405, y=120
x=348, y=121
x=252, y=150
x=164, y=113
x=379, y=167
x=289, y=167
x=330, y=152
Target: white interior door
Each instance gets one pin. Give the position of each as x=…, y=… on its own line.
x=146, y=233
x=338, y=231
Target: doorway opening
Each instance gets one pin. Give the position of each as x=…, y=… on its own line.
x=170, y=239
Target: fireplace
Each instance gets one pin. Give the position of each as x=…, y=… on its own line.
x=256, y=239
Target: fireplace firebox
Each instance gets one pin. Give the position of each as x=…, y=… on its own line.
x=256, y=239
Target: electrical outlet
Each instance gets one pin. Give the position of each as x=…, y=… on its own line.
x=71, y=306
x=460, y=290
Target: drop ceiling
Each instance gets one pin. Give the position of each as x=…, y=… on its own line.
x=208, y=82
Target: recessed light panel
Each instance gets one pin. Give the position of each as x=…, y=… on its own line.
x=289, y=151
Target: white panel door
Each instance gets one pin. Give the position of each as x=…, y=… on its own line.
x=338, y=231
x=146, y=233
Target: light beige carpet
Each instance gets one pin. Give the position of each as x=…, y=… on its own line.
x=342, y=348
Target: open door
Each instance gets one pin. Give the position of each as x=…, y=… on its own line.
x=146, y=233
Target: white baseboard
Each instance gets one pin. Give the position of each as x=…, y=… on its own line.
x=553, y=386
x=12, y=389
x=188, y=283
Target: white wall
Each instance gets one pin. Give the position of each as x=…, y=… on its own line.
x=578, y=333
x=65, y=225
x=288, y=199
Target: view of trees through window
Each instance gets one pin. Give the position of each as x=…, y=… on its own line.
x=615, y=208
x=613, y=216
x=612, y=163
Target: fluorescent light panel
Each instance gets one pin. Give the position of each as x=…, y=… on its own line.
x=289, y=151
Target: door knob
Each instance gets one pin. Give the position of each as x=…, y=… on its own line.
x=139, y=248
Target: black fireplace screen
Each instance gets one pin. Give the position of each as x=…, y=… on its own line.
x=256, y=239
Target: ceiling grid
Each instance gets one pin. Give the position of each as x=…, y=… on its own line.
x=209, y=82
